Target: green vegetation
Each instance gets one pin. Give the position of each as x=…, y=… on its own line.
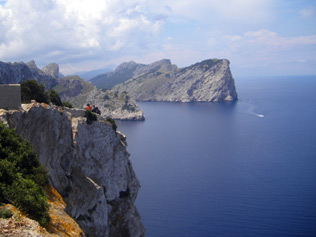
x=112, y=122
x=128, y=107
x=54, y=97
x=67, y=104
x=5, y=213
x=90, y=116
x=22, y=178
x=31, y=90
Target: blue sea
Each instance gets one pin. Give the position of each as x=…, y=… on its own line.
x=229, y=169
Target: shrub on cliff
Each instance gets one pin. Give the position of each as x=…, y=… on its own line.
x=112, y=122
x=67, y=104
x=54, y=97
x=31, y=90
x=90, y=116
x=22, y=177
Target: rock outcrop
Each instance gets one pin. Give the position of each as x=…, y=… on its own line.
x=111, y=104
x=209, y=80
x=15, y=73
x=72, y=89
x=87, y=164
x=60, y=224
x=52, y=69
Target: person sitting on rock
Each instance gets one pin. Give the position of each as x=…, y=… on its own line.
x=88, y=107
x=96, y=110
x=93, y=108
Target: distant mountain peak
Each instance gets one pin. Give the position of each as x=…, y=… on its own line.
x=15, y=73
x=52, y=69
x=31, y=64
x=126, y=66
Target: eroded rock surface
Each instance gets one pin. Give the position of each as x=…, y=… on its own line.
x=15, y=73
x=87, y=164
x=111, y=104
x=210, y=81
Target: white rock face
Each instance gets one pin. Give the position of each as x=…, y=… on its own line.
x=114, y=107
x=111, y=104
x=209, y=81
x=88, y=165
x=52, y=69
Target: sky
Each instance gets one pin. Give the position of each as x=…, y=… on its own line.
x=258, y=37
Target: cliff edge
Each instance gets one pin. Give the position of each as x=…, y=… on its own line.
x=87, y=164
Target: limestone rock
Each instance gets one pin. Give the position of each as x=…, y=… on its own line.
x=52, y=69
x=15, y=73
x=111, y=104
x=121, y=74
x=209, y=80
x=87, y=164
x=61, y=223
x=20, y=225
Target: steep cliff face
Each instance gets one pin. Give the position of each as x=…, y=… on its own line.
x=209, y=80
x=88, y=165
x=15, y=73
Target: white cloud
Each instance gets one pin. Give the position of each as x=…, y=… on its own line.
x=38, y=29
x=307, y=12
x=261, y=49
x=88, y=34
x=274, y=41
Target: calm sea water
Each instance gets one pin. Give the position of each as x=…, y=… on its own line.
x=241, y=169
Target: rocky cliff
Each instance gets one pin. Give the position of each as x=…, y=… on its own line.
x=87, y=164
x=210, y=80
x=111, y=104
x=72, y=89
x=52, y=69
x=15, y=73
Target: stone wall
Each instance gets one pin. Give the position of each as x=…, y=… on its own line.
x=10, y=96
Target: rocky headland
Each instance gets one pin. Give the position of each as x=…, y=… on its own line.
x=87, y=164
x=209, y=81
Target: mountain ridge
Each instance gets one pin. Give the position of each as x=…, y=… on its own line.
x=209, y=81
x=72, y=89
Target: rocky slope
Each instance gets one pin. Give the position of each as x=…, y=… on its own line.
x=111, y=104
x=122, y=73
x=88, y=165
x=72, y=89
x=15, y=73
x=61, y=224
x=209, y=80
